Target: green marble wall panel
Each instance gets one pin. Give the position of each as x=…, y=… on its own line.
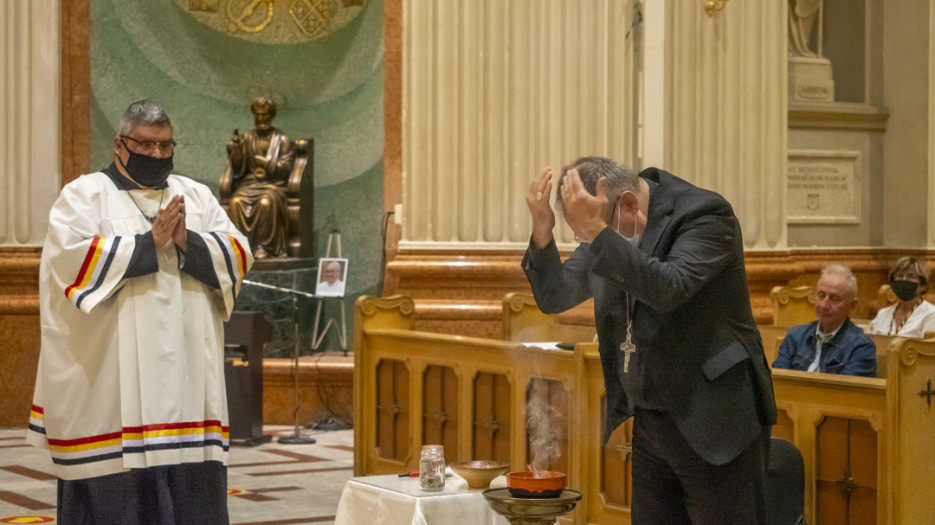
x=189, y=56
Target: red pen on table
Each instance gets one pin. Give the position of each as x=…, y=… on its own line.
x=414, y=474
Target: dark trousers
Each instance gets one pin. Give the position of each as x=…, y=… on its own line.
x=167, y=495
x=672, y=485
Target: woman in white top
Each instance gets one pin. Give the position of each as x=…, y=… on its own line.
x=911, y=316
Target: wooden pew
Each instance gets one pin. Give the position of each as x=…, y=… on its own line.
x=864, y=440
x=523, y=321
x=836, y=422
x=793, y=306
x=772, y=337
x=469, y=394
x=909, y=425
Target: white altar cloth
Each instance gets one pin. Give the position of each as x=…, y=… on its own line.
x=391, y=500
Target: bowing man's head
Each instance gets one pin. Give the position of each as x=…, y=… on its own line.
x=627, y=195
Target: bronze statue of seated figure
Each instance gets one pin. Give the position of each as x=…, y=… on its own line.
x=260, y=188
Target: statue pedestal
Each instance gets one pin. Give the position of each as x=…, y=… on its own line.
x=810, y=80
x=296, y=273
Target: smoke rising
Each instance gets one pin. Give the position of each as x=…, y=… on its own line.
x=542, y=427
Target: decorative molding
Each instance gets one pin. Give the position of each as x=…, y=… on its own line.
x=838, y=115
x=370, y=306
x=783, y=294
x=19, y=271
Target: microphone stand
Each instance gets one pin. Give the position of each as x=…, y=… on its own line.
x=296, y=438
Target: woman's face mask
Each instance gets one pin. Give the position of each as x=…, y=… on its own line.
x=905, y=290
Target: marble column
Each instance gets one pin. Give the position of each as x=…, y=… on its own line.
x=493, y=91
x=726, y=130
x=29, y=118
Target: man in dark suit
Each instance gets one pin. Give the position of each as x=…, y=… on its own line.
x=679, y=347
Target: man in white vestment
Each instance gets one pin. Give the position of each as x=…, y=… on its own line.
x=139, y=271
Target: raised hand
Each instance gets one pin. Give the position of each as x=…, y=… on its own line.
x=537, y=199
x=583, y=212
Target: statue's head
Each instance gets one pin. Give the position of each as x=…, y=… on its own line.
x=264, y=111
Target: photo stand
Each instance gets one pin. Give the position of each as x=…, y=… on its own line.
x=334, y=238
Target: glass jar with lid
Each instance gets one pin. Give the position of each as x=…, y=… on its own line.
x=432, y=467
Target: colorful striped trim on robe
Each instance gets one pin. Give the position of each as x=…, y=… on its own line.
x=137, y=440
x=94, y=269
x=234, y=257
x=37, y=419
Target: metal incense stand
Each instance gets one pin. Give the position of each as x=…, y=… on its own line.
x=531, y=511
x=296, y=438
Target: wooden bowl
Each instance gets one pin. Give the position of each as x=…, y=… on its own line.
x=525, y=484
x=479, y=474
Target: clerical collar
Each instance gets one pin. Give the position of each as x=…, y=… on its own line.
x=125, y=183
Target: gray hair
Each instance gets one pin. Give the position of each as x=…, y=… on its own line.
x=142, y=113
x=619, y=178
x=839, y=270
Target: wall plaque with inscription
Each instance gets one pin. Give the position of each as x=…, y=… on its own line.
x=823, y=187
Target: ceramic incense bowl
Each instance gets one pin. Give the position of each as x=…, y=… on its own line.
x=525, y=484
x=479, y=474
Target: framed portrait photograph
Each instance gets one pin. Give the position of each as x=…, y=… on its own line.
x=332, y=274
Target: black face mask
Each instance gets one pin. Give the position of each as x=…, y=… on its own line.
x=905, y=290
x=147, y=171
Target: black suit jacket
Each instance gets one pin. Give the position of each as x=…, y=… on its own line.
x=698, y=356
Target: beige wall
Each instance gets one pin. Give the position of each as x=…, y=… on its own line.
x=906, y=92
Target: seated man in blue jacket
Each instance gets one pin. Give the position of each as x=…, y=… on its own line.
x=832, y=344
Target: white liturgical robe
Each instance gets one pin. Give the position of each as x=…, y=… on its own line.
x=131, y=370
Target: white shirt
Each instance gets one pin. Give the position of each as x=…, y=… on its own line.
x=921, y=320
x=335, y=289
x=820, y=339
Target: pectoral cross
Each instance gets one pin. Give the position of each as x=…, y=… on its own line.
x=627, y=347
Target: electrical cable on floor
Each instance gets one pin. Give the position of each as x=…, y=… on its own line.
x=333, y=422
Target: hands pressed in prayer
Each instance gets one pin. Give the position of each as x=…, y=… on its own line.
x=583, y=211
x=165, y=227
x=180, y=234
x=537, y=199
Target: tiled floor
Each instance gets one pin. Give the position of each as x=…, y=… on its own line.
x=270, y=484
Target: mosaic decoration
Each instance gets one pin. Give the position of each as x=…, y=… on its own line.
x=274, y=21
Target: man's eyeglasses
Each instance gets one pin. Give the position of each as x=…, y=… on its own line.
x=148, y=147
